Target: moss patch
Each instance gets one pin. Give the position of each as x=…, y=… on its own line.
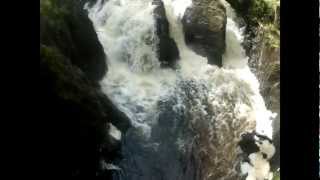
x=264, y=15
x=261, y=16
x=52, y=11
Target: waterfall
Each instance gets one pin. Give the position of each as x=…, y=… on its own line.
x=158, y=101
x=134, y=81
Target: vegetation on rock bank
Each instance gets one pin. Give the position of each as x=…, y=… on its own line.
x=262, y=45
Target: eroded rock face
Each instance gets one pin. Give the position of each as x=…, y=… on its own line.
x=204, y=25
x=167, y=49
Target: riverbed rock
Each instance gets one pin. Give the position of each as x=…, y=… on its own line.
x=204, y=25
x=167, y=50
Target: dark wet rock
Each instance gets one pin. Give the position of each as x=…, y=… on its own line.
x=65, y=25
x=247, y=144
x=167, y=50
x=204, y=25
x=71, y=102
x=241, y=6
x=79, y=112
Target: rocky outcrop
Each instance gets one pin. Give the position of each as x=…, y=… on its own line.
x=71, y=102
x=65, y=24
x=204, y=25
x=167, y=50
x=80, y=113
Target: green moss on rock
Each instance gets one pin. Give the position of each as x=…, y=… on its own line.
x=76, y=107
x=261, y=16
x=64, y=24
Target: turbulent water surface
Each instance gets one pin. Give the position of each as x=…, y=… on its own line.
x=177, y=115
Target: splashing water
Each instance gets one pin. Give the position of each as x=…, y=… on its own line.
x=136, y=83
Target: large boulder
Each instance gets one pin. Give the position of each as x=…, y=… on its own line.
x=204, y=25
x=167, y=50
x=65, y=24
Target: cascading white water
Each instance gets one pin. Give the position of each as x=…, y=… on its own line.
x=235, y=74
x=136, y=83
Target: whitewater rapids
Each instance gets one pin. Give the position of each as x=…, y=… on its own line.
x=226, y=99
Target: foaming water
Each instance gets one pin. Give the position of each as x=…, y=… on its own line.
x=180, y=7
x=192, y=65
x=220, y=98
x=134, y=81
x=234, y=73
